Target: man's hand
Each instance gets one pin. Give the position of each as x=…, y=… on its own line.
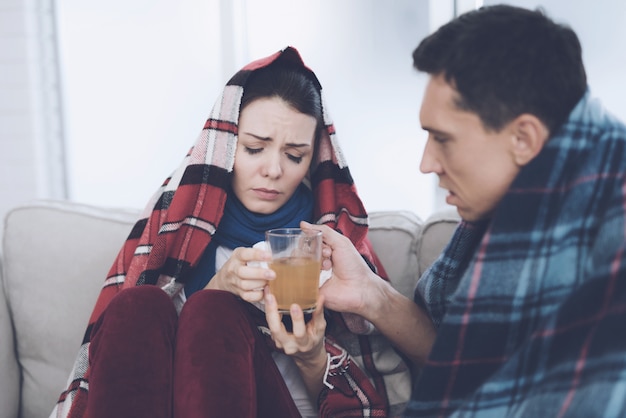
x=354, y=287
x=352, y=282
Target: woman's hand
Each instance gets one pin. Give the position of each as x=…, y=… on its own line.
x=305, y=344
x=241, y=279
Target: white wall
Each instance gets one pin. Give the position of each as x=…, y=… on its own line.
x=31, y=133
x=140, y=78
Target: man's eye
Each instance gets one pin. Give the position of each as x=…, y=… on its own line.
x=296, y=159
x=253, y=151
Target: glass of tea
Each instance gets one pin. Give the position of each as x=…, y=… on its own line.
x=296, y=260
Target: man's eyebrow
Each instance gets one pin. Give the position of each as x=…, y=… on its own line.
x=268, y=139
x=434, y=131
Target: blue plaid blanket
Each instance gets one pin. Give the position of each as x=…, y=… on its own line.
x=531, y=305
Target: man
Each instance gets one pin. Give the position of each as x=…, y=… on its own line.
x=523, y=313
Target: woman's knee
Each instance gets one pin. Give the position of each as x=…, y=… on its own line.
x=214, y=300
x=215, y=312
x=141, y=306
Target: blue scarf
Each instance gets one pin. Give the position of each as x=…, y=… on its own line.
x=241, y=228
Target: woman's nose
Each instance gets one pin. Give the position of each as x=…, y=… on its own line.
x=272, y=167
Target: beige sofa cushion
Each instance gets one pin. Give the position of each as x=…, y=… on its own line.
x=407, y=246
x=56, y=257
x=436, y=233
x=394, y=236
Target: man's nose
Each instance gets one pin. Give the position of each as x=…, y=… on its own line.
x=429, y=163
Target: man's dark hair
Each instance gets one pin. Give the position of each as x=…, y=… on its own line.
x=505, y=61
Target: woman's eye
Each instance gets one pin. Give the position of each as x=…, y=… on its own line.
x=253, y=151
x=296, y=159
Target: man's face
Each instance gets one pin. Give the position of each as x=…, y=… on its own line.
x=476, y=166
x=274, y=152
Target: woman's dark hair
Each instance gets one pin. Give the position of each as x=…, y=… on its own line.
x=505, y=61
x=291, y=83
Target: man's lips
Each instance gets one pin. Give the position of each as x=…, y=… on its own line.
x=266, y=194
x=451, y=198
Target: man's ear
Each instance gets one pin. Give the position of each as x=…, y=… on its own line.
x=529, y=135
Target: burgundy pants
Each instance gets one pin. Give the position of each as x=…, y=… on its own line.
x=209, y=362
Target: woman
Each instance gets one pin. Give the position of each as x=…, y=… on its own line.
x=196, y=343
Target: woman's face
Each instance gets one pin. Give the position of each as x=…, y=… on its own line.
x=273, y=155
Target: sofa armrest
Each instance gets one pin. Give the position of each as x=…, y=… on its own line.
x=9, y=369
x=56, y=256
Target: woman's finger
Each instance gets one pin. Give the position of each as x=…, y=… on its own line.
x=255, y=295
x=248, y=254
x=255, y=272
x=297, y=321
x=272, y=315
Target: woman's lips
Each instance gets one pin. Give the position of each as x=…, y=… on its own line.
x=266, y=194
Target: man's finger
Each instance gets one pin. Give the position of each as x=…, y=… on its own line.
x=330, y=237
x=318, y=314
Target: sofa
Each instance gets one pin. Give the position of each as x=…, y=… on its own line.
x=56, y=254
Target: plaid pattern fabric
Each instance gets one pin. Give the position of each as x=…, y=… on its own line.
x=532, y=321
x=179, y=221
